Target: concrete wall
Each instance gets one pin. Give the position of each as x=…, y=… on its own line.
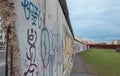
x=45, y=40
x=79, y=46
x=39, y=40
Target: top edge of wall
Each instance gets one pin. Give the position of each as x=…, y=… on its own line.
x=79, y=41
x=66, y=13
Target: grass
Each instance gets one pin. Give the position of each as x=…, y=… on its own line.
x=102, y=62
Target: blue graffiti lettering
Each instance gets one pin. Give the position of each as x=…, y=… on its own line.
x=32, y=12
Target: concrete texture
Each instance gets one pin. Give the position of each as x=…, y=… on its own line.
x=44, y=37
x=79, y=46
x=7, y=12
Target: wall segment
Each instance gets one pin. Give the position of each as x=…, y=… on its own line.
x=42, y=30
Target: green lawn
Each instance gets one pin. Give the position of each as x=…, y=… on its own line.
x=102, y=62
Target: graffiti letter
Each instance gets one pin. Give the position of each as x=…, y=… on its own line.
x=26, y=6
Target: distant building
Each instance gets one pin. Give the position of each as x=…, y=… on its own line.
x=116, y=42
x=2, y=37
x=85, y=41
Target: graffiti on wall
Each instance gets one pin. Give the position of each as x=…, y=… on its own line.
x=57, y=47
x=46, y=42
x=45, y=47
x=31, y=54
x=32, y=12
x=68, y=48
x=50, y=51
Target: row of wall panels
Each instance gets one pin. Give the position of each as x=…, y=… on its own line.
x=45, y=40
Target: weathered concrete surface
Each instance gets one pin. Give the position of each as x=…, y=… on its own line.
x=66, y=13
x=7, y=12
x=44, y=37
x=79, y=46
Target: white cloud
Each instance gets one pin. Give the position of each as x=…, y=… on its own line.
x=94, y=16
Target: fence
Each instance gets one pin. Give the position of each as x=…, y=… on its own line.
x=104, y=46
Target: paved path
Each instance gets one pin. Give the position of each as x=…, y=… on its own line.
x=2, y=64
x=2, y=70
x=2, y=55
x=79, y=67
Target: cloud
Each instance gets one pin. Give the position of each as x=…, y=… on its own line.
x=95, y=17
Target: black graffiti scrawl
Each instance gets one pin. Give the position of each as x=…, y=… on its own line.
x=31, y=54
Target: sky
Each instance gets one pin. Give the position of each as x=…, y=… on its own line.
x=97, y=20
